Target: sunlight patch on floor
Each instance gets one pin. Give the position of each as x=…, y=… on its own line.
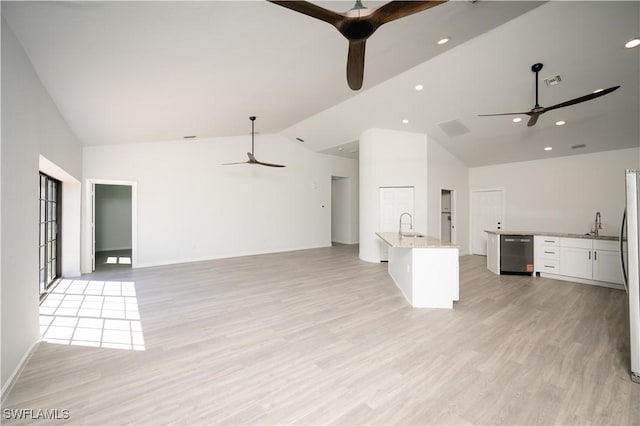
x=92, y=313
x=115, y=260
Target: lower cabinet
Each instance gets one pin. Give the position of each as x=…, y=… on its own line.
x=575, y=258
x=580, y=258
x=606, y=262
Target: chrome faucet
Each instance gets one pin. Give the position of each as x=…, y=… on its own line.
x=598, y=224
x=410, y=222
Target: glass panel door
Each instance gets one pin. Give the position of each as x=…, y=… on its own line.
x=49, y=253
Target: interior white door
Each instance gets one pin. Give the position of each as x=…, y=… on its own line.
x=393, y=202
x=486, y=214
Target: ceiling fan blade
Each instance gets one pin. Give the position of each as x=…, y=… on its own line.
x=268, y=164
x=534, y=119
x=399, y=9
x=506, y=113
x=355, y=64
x=581, y=99
x=230, y=164
x=312, y=10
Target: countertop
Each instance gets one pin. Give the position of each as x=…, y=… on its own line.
x=395, y=240
x=554, y=234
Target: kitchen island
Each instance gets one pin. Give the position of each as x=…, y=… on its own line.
x=424, y=268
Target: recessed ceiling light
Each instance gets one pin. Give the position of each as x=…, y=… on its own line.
x=560, y=123
x=340, y=149
x=548, y=148
x=517, y=120
x=405, y=121
x=419, y=87
x=633, y=43
x=443, y=40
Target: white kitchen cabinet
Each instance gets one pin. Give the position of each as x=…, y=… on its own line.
x=547, y=254
x=576, y=262
x=493, y=252
x=606, y=262
x=597, y=260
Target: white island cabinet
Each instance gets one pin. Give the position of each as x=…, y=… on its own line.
x=425, y=269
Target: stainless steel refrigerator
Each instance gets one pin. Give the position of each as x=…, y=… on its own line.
x=630, y=234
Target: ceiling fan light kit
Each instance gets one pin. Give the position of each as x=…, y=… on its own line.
x=538, y=110
x=357, y=25
x=252, y=158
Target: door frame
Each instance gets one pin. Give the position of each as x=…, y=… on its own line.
x=453, y=216
x=472, y=213
x=89, y=246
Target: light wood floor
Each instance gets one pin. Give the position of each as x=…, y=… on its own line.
x=318, y=336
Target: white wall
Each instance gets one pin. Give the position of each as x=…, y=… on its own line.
x=447, y=172
x=113, y=217
x=561, y=194
x=190, y=207
x=341, y=205
x=390, y=158
x=31, y=126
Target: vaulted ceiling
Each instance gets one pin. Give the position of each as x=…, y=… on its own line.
x=125, y=72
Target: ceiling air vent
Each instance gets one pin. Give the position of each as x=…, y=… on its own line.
x=578, y=146
x=454, y=128
x=552, y=81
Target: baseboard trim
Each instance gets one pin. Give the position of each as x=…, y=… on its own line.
x=6, y=389
x=580, y=280
x=113, y=249
x=224, y=256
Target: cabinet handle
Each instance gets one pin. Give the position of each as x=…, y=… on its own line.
x=550, y=252
x=550, y=266
x=595, y=255
x=589, y=254
x=549, y=241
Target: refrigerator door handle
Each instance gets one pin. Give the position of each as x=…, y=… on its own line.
x=624, y=268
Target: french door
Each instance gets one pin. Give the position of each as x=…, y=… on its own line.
x=50, y=196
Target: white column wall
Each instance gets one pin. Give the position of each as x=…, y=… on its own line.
x=32, y=127
x=390, y=158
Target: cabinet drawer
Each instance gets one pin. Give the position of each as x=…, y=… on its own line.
x=584, y=243
x=548, y=241
x=548, y=265
x=606, y=245
x=549, y=252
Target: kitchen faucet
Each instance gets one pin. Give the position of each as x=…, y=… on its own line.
x=598, y=224
x=410, y=222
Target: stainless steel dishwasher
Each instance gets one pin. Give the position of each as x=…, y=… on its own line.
x=516, y=254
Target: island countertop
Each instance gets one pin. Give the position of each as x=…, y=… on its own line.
x=554, y=234
x=394, y=239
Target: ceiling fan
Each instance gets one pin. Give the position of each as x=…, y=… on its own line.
x=537, y=110
x=357, y=25
x=252, y=158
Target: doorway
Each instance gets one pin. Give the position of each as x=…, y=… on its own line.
x=340, y=210
x=487, y=211
x=446, y=216
x=111, y=241
x=112, y=226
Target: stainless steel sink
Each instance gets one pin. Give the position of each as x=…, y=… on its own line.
x=411, y=235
